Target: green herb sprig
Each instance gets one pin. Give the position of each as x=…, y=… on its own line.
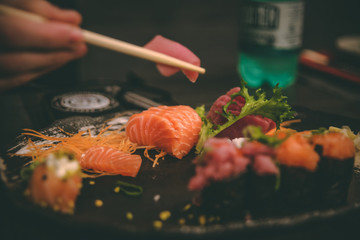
x=275, y=108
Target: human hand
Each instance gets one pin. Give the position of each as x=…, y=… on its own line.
x=29, y=49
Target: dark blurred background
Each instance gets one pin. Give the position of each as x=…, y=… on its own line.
x=210, y=29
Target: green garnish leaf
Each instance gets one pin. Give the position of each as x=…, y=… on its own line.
x=254, y=133
x=207, y=129
x=129, y=189
x=275, y=108
x=321, y=130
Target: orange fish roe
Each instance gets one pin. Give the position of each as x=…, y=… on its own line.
x=335, y=145
x=296, y=151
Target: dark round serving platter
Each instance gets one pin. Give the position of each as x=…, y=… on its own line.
x=165, y=189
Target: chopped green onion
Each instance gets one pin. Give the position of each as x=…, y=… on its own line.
x=129, y=189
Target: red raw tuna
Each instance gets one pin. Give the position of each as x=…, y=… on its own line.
x=236, y=130
x=261, y=155
x=173, y=49
x=221, y=160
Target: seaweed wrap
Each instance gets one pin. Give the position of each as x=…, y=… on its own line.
x=298, y=162
x=334, y=172
x=221, y=177
x=263, y=175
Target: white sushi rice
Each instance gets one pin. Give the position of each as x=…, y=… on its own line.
x=239, y=141
x=156, y=197
x=62, y=166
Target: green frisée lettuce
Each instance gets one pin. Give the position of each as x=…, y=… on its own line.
x=254, y=133
x=275, y=108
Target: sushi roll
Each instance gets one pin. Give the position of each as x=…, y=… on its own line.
x=263, y=176
x=298, y=163
x=234, y=177
x=337, y=153
x=55, y=182
x=221, y=177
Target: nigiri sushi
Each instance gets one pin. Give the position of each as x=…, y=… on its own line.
x=173, y=129
x=55, y=182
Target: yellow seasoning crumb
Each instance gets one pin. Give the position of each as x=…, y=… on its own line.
x=182, y=221
x=27, y=192
x=202, y=220
x=71, y=204
x=211, y=219
x=56, y=208
x=187, y=207
x=129, y=216
x=43, y=204
x=117, y=189
x=157, y=224
x=98, y=203
x=92, y=182
x=190, y=216
x=164, y=215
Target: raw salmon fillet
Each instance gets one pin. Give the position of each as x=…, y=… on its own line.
x=173, y=49
x=110, y=160
x=173, y=129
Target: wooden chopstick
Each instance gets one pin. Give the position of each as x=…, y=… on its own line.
x=112, y=43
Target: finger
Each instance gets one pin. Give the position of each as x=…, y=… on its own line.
x=23, y=62
x=47, y=10
x=52, y=12
x=16, y=32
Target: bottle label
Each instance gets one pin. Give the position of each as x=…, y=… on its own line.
x=275, y=24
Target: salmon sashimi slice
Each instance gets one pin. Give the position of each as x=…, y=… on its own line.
x=107, y=159
x=177, y=50
x=173, y=129
x=48, y=190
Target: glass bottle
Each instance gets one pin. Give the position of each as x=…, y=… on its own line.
x=270, y=39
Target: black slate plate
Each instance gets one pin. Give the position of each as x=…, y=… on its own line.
x=169, y=182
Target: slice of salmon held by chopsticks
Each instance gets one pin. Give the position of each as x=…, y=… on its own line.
x=109, y=160
x=176, y=50
x=173, y=129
